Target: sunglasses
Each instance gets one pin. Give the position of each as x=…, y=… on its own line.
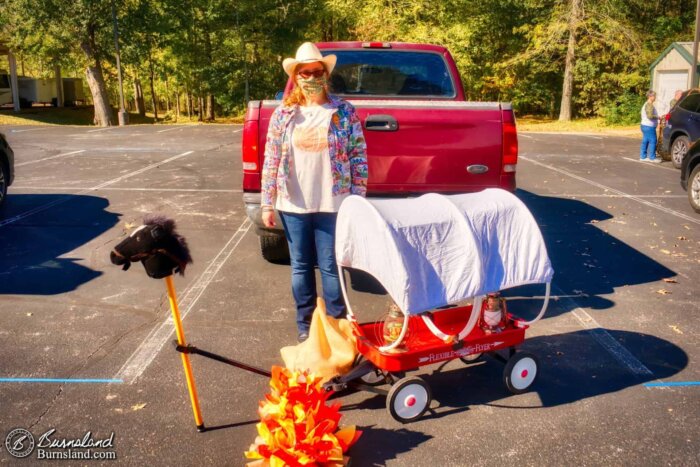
x=315, y=73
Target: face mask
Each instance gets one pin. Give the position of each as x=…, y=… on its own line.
x=312, y=86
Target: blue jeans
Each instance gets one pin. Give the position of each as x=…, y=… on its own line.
x=648, y=142
x=311, y=239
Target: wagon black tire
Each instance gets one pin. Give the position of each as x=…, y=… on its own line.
x=274, y=248
x=4, y=180
x=408, y=399
x=521, y=372
x=374, y=377
x=473, y=358
x=679, y=148
x=694, y=189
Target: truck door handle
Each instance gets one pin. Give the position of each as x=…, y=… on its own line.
x=381, y=123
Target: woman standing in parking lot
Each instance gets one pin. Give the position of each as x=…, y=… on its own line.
x=315, y=156
x=650, y=120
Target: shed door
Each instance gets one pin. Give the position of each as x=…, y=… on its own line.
x=669, y=82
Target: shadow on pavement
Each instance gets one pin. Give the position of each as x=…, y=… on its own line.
x=572, y=367
x=380, y=445
x=32, y=248
x=587, y=261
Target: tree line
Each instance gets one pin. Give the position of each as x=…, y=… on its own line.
x=561, y=58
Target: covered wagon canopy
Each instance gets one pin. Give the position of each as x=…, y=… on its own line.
x=436, y=250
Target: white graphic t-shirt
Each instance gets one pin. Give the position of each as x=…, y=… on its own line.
x=310, y=183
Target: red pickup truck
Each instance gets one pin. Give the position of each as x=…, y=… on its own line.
x=422, y=135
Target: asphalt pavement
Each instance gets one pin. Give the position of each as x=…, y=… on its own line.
x=85, y=346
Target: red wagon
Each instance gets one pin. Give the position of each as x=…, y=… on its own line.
x=429, y=253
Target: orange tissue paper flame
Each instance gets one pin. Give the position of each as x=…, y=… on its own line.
x=297, y=427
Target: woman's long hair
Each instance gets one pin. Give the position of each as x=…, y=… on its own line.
x=296, y=97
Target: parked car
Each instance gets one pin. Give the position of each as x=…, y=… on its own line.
x=682, y=127
x=690, y=175
x=422, y=134
x=7, y=167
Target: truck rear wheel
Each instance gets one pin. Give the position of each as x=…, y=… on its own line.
x=274, y=248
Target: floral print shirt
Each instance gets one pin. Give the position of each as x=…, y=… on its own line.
x=346, y=148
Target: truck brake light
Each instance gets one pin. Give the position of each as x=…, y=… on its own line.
x=510, y=146
x=376, y=45
x=250, y=146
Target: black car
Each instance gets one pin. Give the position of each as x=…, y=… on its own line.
x=690, y=175
x=7, y=167
x=682, y=127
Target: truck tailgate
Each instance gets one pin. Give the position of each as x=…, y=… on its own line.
x=425, y=146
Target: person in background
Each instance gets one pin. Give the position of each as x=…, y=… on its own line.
x=315, y=156
x=675, y=99
x=650, y=120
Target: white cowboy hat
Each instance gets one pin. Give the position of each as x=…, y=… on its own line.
x=308, y=53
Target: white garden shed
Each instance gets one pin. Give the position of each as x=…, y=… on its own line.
x=671, y=71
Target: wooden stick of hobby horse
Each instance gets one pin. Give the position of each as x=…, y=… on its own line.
x=185, y=357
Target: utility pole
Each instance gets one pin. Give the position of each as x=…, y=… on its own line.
x=123, y=115
x=694, y=75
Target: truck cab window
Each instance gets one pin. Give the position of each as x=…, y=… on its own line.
x=390, y=74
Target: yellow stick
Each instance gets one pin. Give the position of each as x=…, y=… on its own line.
x=185, y=357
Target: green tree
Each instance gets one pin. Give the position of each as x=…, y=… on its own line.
x=58, y=28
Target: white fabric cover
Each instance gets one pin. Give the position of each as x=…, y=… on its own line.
x=436, y=250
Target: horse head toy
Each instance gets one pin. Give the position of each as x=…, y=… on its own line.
x=160, y=249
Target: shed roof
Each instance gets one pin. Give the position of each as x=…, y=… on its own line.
x=685, y=49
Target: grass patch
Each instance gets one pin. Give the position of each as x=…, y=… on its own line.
x=83, y=116
x=583, y=125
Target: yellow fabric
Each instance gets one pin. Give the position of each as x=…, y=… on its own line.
x=330, y=349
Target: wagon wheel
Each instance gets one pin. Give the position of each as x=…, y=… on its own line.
x=408, y=399
x=473, y=358
x=520, y=372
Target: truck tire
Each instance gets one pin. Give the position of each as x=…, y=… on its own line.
x=694, y=189
x=678, y=149
x=274, y=248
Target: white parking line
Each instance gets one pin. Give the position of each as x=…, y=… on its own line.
x=49, y=158
x=608, y=342
x=71, y=188
x=160, y=334
x=585, y=195
x=171, y=129
x=574, y=133
x=102, y=129
x=70, y=196
x=651, y=164
x=663, y=209
x=30, y=129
